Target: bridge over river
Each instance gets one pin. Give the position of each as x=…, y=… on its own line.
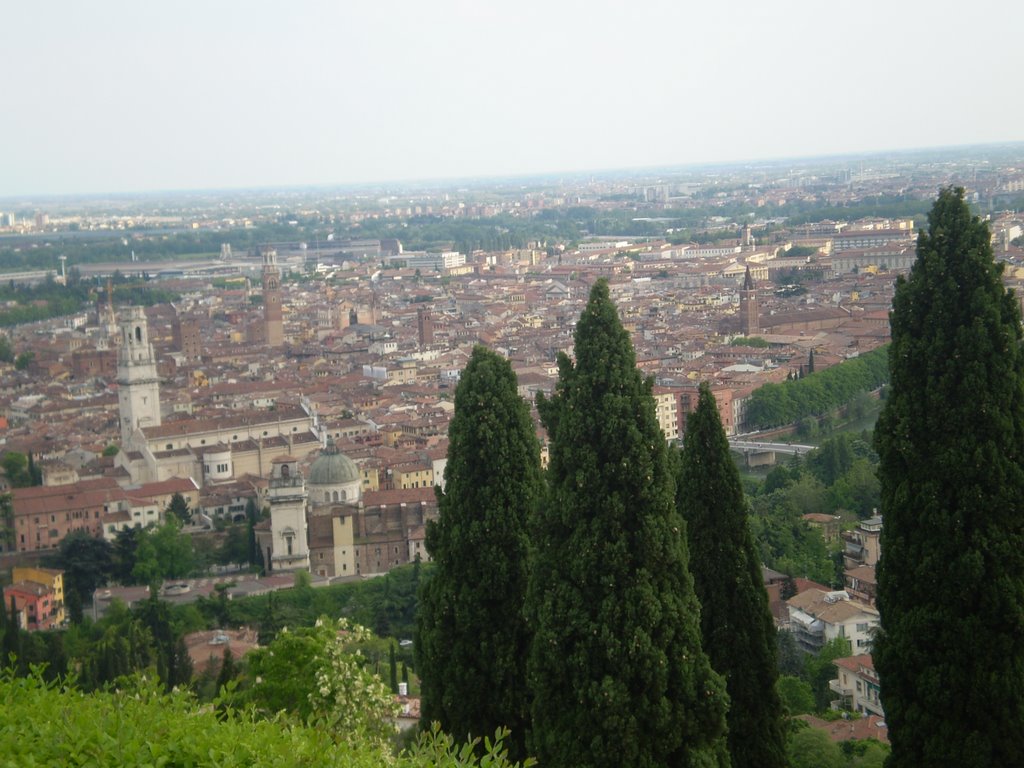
x=763, y=452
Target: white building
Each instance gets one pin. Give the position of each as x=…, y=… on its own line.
x=858, y=685
x=816, y=617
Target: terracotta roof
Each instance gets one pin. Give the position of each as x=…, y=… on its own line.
x=870, y=727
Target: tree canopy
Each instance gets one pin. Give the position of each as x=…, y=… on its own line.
x=815, y=394
x=736, y=626
x=951, y=444
x=472, y=639
x=617, y=670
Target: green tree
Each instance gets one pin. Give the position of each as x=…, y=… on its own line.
x=616, y=668
x=24, y=360
x=10, y=642
x=320, y=675
x=951, y=443
x=87, y=563
x=228, y=669
x=392, y=667
x=174, y=553
x=737, y=628
x=126, y=544
x=819, y=670
x=234, y=548
x=6, y=521
x=796, y=695
x=811, y=748
x=15, y=466
x=471, y=638
x=179, y=507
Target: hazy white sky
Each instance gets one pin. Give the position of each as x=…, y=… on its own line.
x=120, y=96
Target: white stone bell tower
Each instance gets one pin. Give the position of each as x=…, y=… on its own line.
x=137, y=381
x=289, y=549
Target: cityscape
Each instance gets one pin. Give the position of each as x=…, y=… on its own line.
x=555, y=385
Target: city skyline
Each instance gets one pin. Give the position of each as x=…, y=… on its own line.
x=118, y=97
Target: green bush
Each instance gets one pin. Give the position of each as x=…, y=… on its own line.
x=47, y=724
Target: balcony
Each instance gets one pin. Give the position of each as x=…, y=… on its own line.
x=836, y=687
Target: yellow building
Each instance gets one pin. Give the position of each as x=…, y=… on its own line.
x=412, y=474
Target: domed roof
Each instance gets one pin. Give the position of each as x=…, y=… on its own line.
x=332, y=467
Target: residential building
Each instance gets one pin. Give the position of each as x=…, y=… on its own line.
x=51, y=578
x=35, y=605
x=862, y=545
x=817, y=617
x=858, y=685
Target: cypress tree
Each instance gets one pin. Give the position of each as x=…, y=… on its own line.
x=5, y=635
x=393, y=667
x=737, y=629
x=471, y=635
x=951, y=443
x=617, y=670
x=228, y=669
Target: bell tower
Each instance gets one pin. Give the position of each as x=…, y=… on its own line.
x=286, y=493
x=272, y=314
x=137, y=380
x=750, y=323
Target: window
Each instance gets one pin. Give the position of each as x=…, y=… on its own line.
x=862, y=627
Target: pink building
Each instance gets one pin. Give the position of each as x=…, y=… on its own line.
x=36, y=605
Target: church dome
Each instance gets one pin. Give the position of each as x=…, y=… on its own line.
x=333, y=467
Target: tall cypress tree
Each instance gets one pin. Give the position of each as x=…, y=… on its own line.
x=472, y=638
x=736, y=626
x=617, y=670
x=951, y=442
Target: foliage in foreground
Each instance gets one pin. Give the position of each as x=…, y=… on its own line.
x=951, y=443
x=320, y=675
x=617, y=670
x=472, y=639
x=737, y=628
x=45, y=724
